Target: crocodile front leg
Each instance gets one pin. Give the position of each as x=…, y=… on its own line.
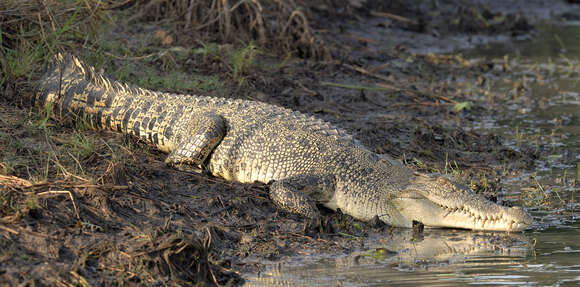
x=201, y=134
x=299, y=194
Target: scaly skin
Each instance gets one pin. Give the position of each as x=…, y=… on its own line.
x=306, y=160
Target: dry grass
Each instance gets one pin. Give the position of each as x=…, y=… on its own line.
x=60, y=183
x=280, y=25
x=32, y=30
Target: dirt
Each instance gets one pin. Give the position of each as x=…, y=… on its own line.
x=122, y=217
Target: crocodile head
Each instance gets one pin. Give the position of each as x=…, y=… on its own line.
x=437, y=202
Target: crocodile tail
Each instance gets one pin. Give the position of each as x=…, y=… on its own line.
x=66, y=79
x=60, y=68
x=46, y=85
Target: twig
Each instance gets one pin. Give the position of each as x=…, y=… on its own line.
x=446, y=99
x=227, y=19
x=444, y=58
x=349, y=235
x=56, y=159
x=42, y=33
x=130, y=58
x=13, y=180
x=302, y=236
x=118, y=5
x=309, y=91
x=26, y=231
x=81, y=280
x=431, y=95
x=25, y=184
x=393, y=17
x=72, y=198
x=86, y=185
x=369, y=73
x=217, y=18
x=161, y=53
x=9, y=229
x=355, y=87
x=420, y=104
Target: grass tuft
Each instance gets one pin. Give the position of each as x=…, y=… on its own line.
x=31, y=33
x=242, y=60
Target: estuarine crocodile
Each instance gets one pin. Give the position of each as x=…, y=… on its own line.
x=306, y=160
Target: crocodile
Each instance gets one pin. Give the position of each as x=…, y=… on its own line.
x=306, y=161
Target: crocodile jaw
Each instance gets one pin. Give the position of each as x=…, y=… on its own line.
x=440, y=203
x=495, y=218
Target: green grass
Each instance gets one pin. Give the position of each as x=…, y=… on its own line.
x=239, y=61
x=141, y=63
x=22, y=59
x=462, y=106
x=519, y=136
x=31, y=202
x=6, y=167
x=451, y=168
x=379, y=254
x=81, y=144
x=242, y=61
x=355, y=87
x=209, y=51
x=26, y=43
x=20, y=62
x=176, y=81
x=541, y=196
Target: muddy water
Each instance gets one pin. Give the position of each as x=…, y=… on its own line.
x=537, y=105
x=441, y=258
x=547, y=110
x=539, y=108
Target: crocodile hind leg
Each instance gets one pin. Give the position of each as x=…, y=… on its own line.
x=299, y=194
x=200, y=137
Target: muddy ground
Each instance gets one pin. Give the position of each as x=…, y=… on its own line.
x=91, y=208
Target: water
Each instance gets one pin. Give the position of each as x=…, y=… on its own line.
x=549, y=257
x=548, y=110
x=537, y=105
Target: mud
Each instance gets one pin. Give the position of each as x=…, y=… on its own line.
x=122, y=217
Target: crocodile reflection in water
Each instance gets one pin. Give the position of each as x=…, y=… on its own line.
x=444, y=253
